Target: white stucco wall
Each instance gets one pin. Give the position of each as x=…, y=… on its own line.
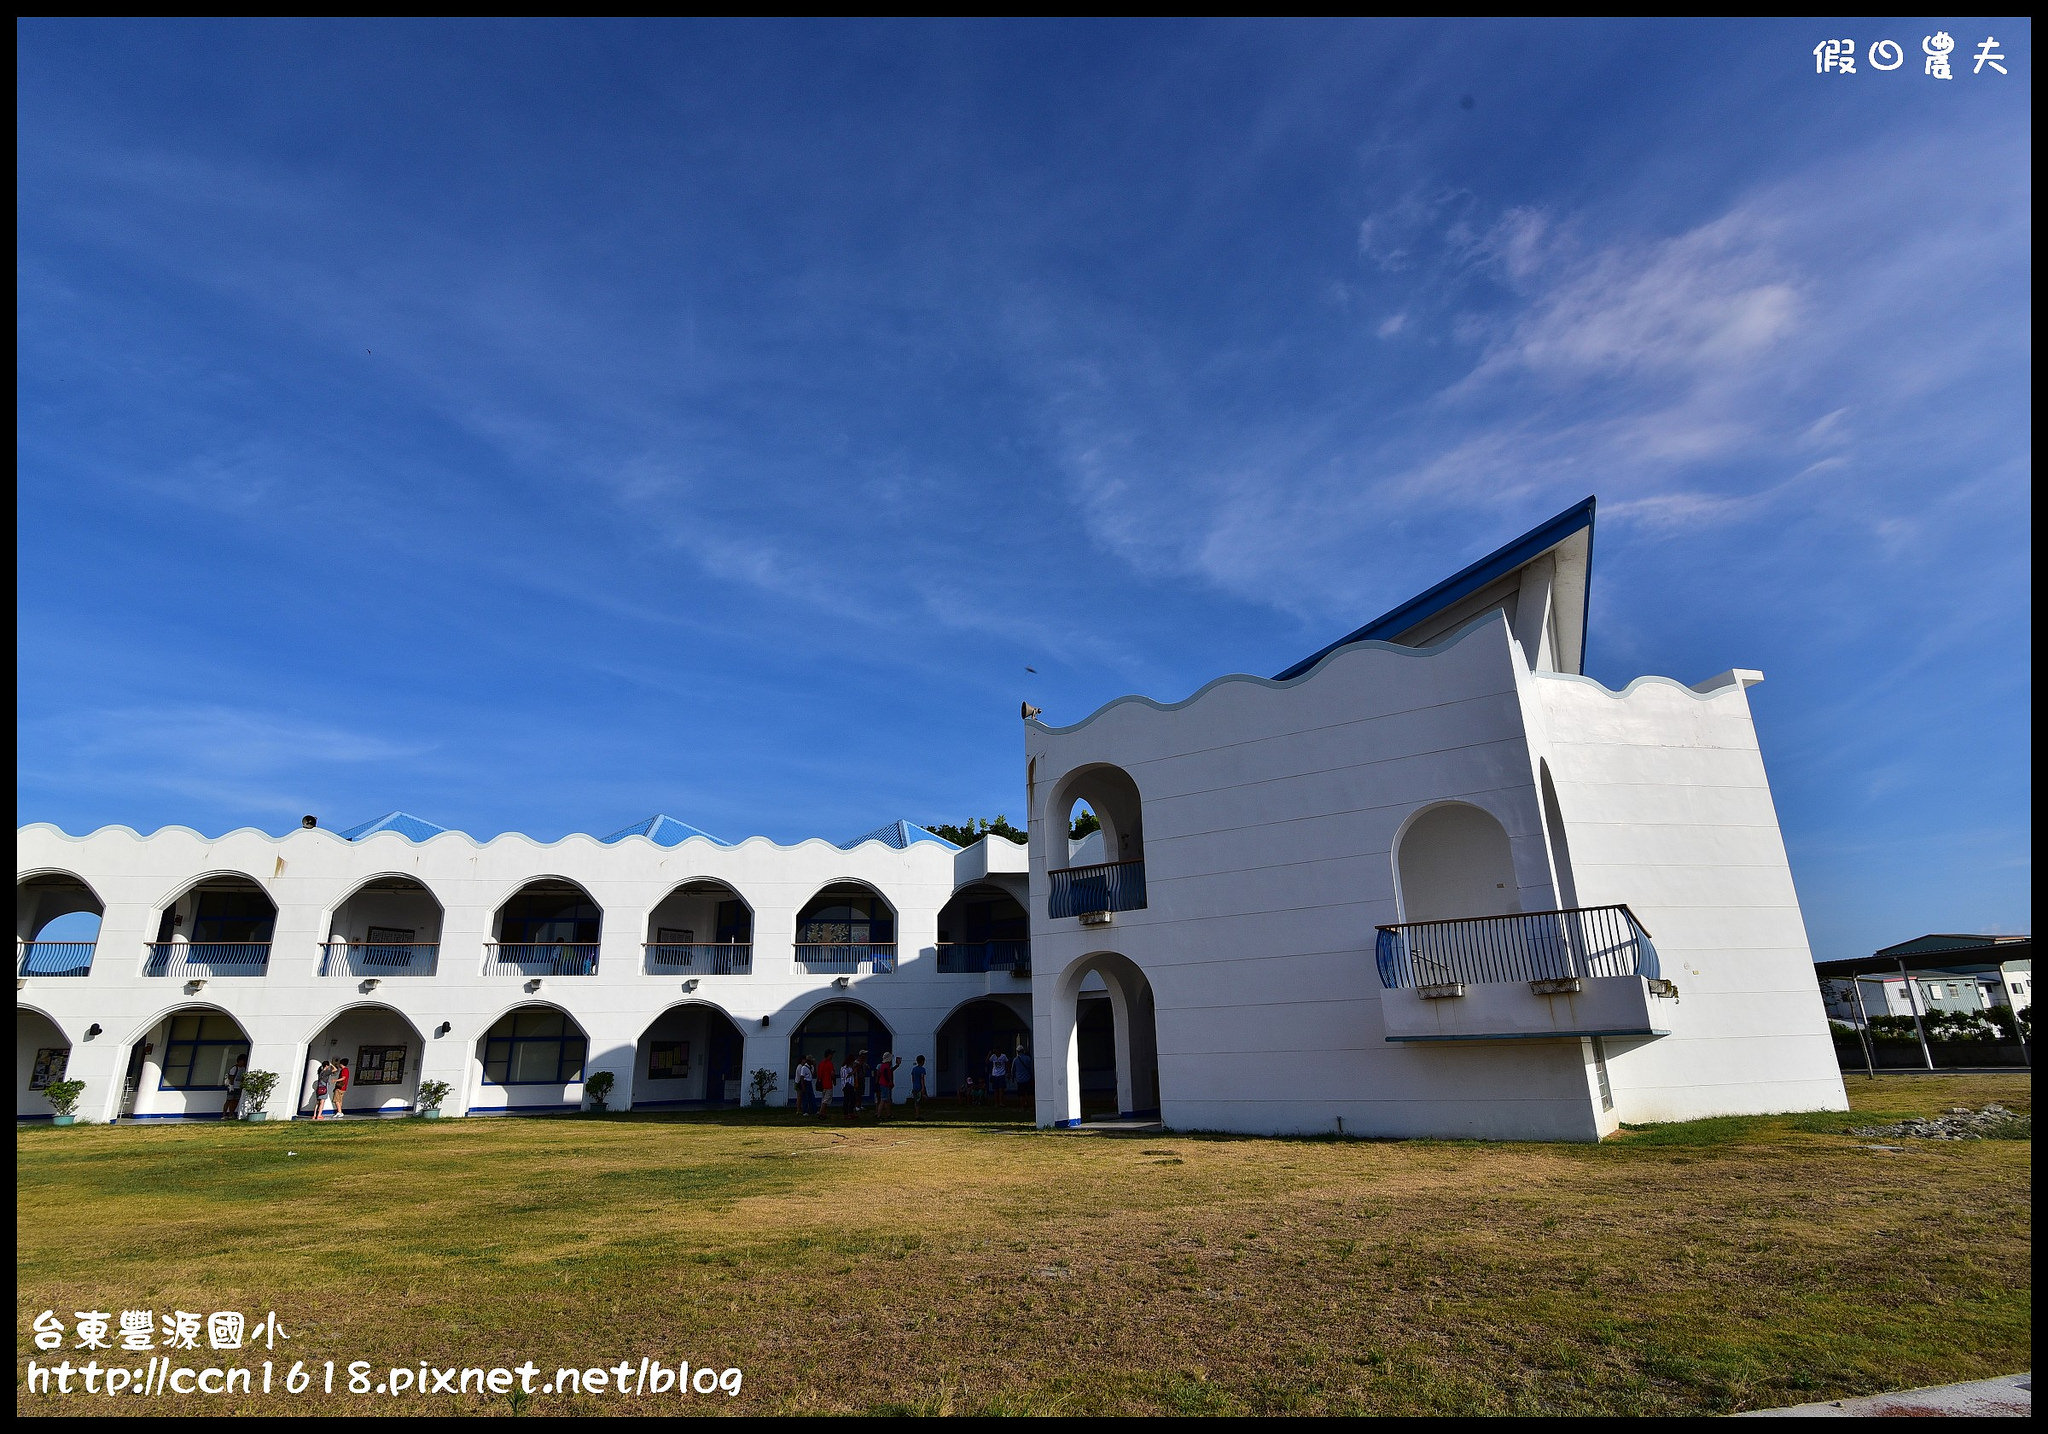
x=1272, y=813
x=310, y=874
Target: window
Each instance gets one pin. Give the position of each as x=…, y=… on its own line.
x=844, y=918
x=200, y=1048
x=1600, y=1070
x=534, y=1047
x=232, y=916
x=539, y=918
x=668, y=1060
x=379, y=1065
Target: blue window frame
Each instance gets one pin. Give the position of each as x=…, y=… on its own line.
x=846, y=916
x=542, y=917
x=534, y=1046
x=232, y=916
x=200, y=1048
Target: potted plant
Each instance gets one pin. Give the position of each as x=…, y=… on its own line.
x=762, y=1086
x=432, y=1093
x=63, y=1098
x=598, y=1088
x=256, y=1089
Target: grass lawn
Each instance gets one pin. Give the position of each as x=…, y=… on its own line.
x=963, y=1265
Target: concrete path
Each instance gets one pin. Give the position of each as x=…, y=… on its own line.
x=2012, y=1396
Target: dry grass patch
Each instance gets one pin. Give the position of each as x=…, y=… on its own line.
x=962, y=1266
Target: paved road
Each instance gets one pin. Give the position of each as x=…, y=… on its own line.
x=2012, y=1396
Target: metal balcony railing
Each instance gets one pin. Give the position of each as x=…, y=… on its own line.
x=540, y=958
x=726, y=958
x=970, y=956
x=367, y=958
x=208, y=958
x=53, y=958
x=1584, y=941
x=1084, y=890
x=849, y=958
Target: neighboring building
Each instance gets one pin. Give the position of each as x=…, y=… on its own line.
x=509, y=968
x=1432, y=881
x=1949, y=972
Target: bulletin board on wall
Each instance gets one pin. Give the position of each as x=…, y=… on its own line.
x=668, y=1060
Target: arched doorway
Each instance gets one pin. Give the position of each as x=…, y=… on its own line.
x=971, y=1034
x=388, y=926
x=531, y=1058
x=1101, y=995
x=220, y=925
x=56, y=925
x=984, y=928
x=549, y=927
x=1104, y=869
x=690, y=1054
x=383, y=1051
x=42, y=1054
x=178, y=1067
x=844, y=1028
x=702, y=928
x=1453, y=862
x=848, y=927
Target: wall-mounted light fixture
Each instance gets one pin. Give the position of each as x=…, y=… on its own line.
x=764, y=1020
x=842, y=982
x=443, y=1029
x=92, y=1030
x=691, y=984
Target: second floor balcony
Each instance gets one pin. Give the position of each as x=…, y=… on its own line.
x=1088, y=890
x=540, y=958
x=53, y=958
x=202, y=960
x=379, y=959
x=847, y=958
x=1585, y=971
x=717, y=958
x=978, y=956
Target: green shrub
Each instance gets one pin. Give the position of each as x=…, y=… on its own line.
x=63, y=1095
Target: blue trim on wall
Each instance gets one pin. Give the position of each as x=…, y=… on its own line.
x=173, y=1115
x=523, y=1109
x=1529, y=1036
x=1465, y=582
x=685, y=1104
x=20, y=1118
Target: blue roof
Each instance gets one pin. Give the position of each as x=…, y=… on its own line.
x=404, y=823
x=899, y=834
x=664, y=831
x=1462, y=584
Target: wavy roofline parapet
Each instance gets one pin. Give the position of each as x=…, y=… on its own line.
x=1739, y=679
x=1279, y=684
x=598, y=842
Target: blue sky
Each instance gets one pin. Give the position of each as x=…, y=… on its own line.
x=535, y=426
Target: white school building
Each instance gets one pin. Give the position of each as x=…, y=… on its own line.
x=1429, y=881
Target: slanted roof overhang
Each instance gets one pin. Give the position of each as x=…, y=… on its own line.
x=1460, y=585
x=1964, y=961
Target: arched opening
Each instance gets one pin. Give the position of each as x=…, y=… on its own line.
x=531, y=1058
x=1104, y=1056
x=56, y=925
x=848, y=927
x=179, y=1067
x=701, y=928
x=42, y=1054
x=219, y=926
x=1567, y=885
x=691, y=1054
x=382, y=1051
x=984, y=928
x=549, y=927
x=1454, y=863
x=1104, y=867
x=388, y=926
x=842, y=1030
x=973, y=1033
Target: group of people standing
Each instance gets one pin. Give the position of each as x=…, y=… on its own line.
x=330, y=1084
x=856, y=1083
